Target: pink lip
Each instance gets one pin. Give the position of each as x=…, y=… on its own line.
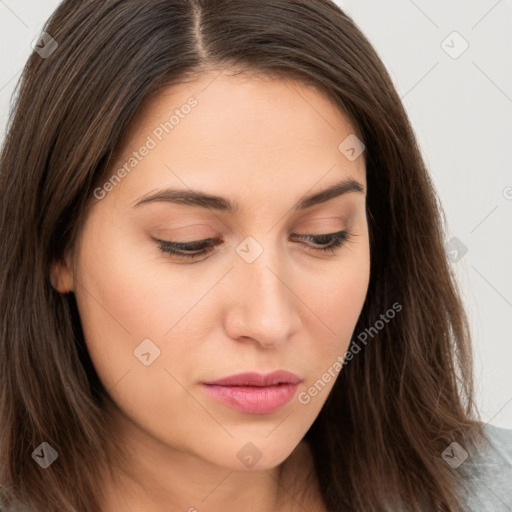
x=255, y=393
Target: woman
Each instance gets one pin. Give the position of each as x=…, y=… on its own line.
x=223, y=278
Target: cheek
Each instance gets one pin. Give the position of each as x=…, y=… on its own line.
x=337, y=303
x=123, y=290
x=127, y=294
x=123, y=304
x=338, y=298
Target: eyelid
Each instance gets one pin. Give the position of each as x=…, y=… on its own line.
x=187, y=246
x=198, y=248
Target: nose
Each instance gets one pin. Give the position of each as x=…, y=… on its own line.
x=262, y=304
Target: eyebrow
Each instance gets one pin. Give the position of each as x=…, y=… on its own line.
x=200, y=199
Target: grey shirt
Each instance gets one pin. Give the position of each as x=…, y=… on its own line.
x=489, y=483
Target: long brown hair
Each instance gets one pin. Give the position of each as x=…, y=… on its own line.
x=395, y=406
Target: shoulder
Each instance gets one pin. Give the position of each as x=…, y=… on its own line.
x=488, y=472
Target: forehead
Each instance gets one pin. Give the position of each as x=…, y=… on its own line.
x=242, y=132
x=240, y=105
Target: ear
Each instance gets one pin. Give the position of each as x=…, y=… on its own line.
x=61, y=275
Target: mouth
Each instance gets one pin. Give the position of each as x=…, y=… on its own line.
x=254, y=393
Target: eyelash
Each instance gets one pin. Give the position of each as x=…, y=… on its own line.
x=180, y=248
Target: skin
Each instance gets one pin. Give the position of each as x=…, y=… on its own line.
x=264, y=143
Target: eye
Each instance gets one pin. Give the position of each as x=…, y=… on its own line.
x=187, y=249
x=328, y=243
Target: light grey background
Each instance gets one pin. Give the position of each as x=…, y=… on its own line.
x=461, y=110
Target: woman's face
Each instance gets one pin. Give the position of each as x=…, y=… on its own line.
x=158, y=326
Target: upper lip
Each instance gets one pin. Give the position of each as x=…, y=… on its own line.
x=257, y=379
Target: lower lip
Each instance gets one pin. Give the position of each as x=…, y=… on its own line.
x=253, y=400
